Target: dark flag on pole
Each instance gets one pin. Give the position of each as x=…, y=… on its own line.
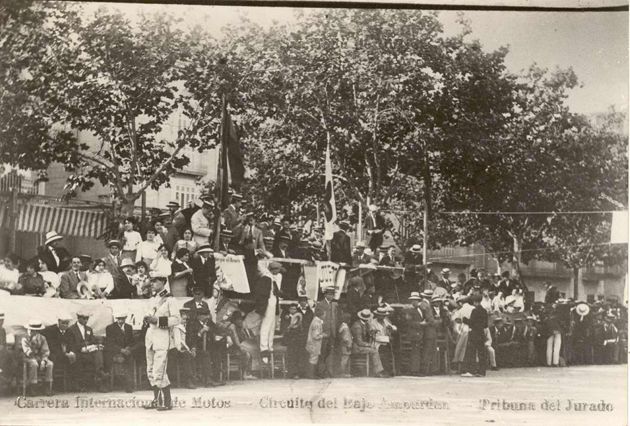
x=231, y=168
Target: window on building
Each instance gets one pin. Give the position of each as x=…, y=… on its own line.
x=185, y=194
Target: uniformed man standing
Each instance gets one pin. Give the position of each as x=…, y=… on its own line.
x=162, y=317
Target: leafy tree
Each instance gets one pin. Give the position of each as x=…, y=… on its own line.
x=111, y=79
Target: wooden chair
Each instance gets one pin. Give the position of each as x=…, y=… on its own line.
x=233, y=361
x=112, y=375
x=360, y=362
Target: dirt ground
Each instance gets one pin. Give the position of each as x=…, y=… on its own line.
x=592, y=395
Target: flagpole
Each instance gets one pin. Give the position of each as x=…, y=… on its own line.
x=219, y=181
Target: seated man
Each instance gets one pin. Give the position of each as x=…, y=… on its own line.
x=36, y=355
x=181, y=355
x=119, y=345
x=200, y=335
x=89, y=365
x=197, y=303
x=382, y=329
x=60, y=342
x=361, y=337
x=70, y=280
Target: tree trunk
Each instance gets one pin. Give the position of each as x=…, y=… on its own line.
x=516, y=258
x=577, y=282
x=127, y=207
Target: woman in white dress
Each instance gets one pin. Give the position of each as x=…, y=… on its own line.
x=162, y=264
x=9, y=274
x=101, y=281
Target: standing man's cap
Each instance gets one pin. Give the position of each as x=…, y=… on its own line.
x=205, y=248
x=416, y=248
x=360, y=244
x=446, y=271
x=52, y=236
x=172, y=205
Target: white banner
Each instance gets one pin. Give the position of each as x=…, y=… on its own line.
x=19, y=310
x=231, y=274
x=619, y=228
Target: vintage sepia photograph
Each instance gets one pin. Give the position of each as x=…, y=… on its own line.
x=314, y=213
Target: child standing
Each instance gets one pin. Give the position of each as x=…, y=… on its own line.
x=292, y=340
x=345, y=338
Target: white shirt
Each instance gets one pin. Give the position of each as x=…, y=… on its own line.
x=52, y=278
x=81, y=329
x=162, y=266
x=9, y=276
x=147, y=250
x=132, y=240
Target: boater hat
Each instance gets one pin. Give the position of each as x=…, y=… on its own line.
x=416, y=248
x=582, y=309
x=35, y=325
x=172, y=204
x=127, y=262
x=52, y=236
x=113, y=243
x=205, y=248
x=415, y=296
x=365, y=314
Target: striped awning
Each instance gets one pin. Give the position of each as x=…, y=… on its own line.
x=66, y=221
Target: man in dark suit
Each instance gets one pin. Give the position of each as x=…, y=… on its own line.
x=119, y=347
x=123, y=283
x=69, y=283
x=56, y=257
x=231, y=214
x=552, y=294
x=282, y=249
x=112, y=260
x=60, y=342
x=204, y=269
x=332, y=321
x=340, y=248
x=285, y=231
x=307, y=317
x=475, y=361
x=416, y=317
x=251, y=231
x=353, y=297
x=89, y=364
x=200, y=338
x=196, y=303
x=375, y=226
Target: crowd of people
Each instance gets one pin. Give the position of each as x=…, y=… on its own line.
x=395, y=312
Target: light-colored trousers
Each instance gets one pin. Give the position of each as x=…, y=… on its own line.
x=32, y=367
x=553, y=348
x=156, y=368
x=492, y=357
x=375, y=358
x=268, y=326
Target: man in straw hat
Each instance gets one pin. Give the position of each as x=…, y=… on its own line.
x=124, y=287
x=36, y=353
x=383, y=335
x=329, y=311
x=56, y=256
x=582, y=331
x=60, y=341
x=362, y=342
x=119, y=346
x=181, y=354
x=162, y=316
x=204, y=269
x=268, y=294
x=89, y=367
x=475, y=361
x=416, y=317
